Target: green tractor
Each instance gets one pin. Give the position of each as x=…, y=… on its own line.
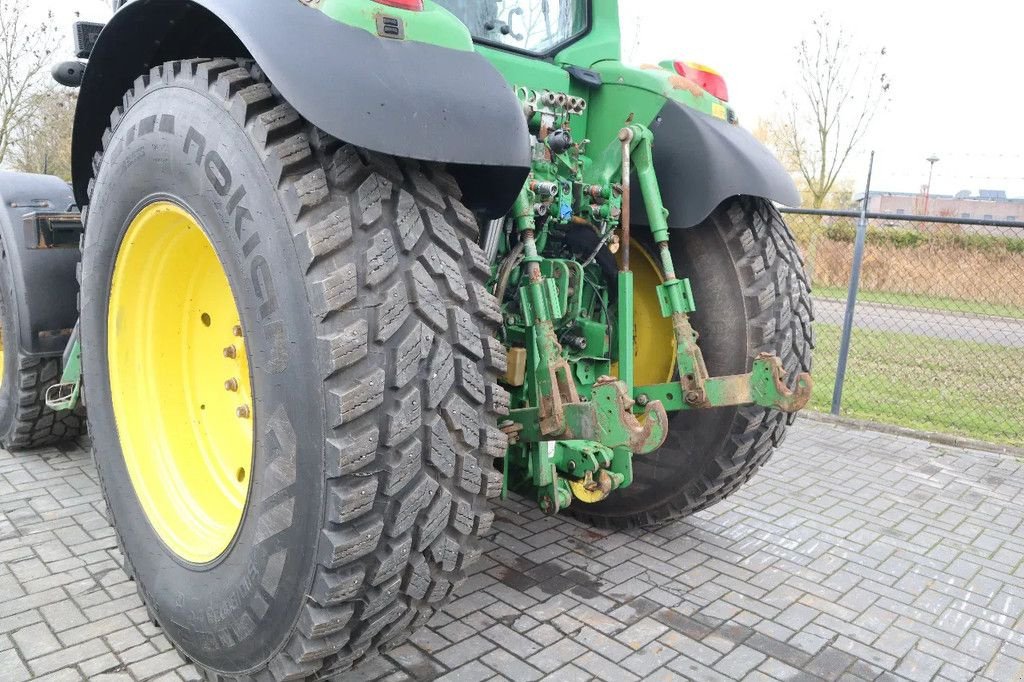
x=350, y=268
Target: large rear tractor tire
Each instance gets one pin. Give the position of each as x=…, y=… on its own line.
x=290, y=365
x=752, y=296
x=26, y=422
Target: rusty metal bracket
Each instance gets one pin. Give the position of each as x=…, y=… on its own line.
x=768, y=385
x=607, y=419
x=620, y=426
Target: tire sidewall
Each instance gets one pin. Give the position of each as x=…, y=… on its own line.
x=182, y=141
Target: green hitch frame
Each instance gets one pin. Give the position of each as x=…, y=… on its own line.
x=582, y=447
x=765, y=385
x=559, y=417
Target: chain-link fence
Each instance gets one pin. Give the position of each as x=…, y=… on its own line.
x=937, y=340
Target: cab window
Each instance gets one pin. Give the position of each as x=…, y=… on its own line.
x=537, y=26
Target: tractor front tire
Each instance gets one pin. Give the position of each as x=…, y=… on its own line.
x=752, y=297
x=360, y=313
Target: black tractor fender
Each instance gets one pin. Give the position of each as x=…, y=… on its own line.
x=398, y=97
x=43, y=289
x=701, y=161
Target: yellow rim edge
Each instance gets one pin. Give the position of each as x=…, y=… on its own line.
x=581, y=493
x=182, y=404
x=654, y=340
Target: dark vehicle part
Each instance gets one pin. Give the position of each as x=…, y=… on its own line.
x=87, y=34
x=370, y=343
x=53, y=230
x=44, y=278
x=69, y=74
x=702, y=161
x=465, y=113
x=37, y=307
x=755, y=298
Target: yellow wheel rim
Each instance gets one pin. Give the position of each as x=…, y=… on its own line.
x=654, y=340
x=179, y=382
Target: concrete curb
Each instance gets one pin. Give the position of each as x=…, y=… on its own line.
x=930, y=436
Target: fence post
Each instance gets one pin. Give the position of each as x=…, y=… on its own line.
x=851, y=295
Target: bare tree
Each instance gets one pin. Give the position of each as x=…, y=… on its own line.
x=43, y=141
x=26, y=49
x=841, y=89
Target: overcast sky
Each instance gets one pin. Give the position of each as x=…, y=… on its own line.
x=954, y=67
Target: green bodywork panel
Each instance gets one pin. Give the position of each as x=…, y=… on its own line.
x=434, y=25
x=627, y=90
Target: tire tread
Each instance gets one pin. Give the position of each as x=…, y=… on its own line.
x=383, y=244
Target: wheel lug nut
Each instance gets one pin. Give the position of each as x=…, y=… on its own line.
x=231, y=385
x=237, y=330
x=230, y=352
x=242, y=411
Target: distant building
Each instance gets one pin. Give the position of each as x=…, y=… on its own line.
x=987, y=204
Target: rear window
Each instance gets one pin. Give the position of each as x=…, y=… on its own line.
x=537, y=26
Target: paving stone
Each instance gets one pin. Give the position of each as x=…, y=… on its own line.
x=569, y=673
x=154, y=665
x=511, y=666
x=808, y=642
x=641, y=633
x=649, y=658
x=138, y=653
x=63, y=615
x=35, y=640
x=100, y=664
x=544, y=634
x=67, y=657
x=739, y=662
x=796, y=616
x=602, y=644
x=96, y=628
x=474, y=671
x=918, y=666
x=62, y=675
x=467, y=650
x=690, y=648
x=556, y=655
x=520, y=646
x=777, y=649
x=692, y=670
x=11, y=667
x=606, y=670
x=896, y=641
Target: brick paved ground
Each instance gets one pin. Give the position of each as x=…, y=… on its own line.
x=854, y=555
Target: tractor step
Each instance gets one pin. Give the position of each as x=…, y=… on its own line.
x=64, y=396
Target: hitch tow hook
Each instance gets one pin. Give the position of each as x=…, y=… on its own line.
x=769, y=385
x=639, y=437
x=652, y=432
